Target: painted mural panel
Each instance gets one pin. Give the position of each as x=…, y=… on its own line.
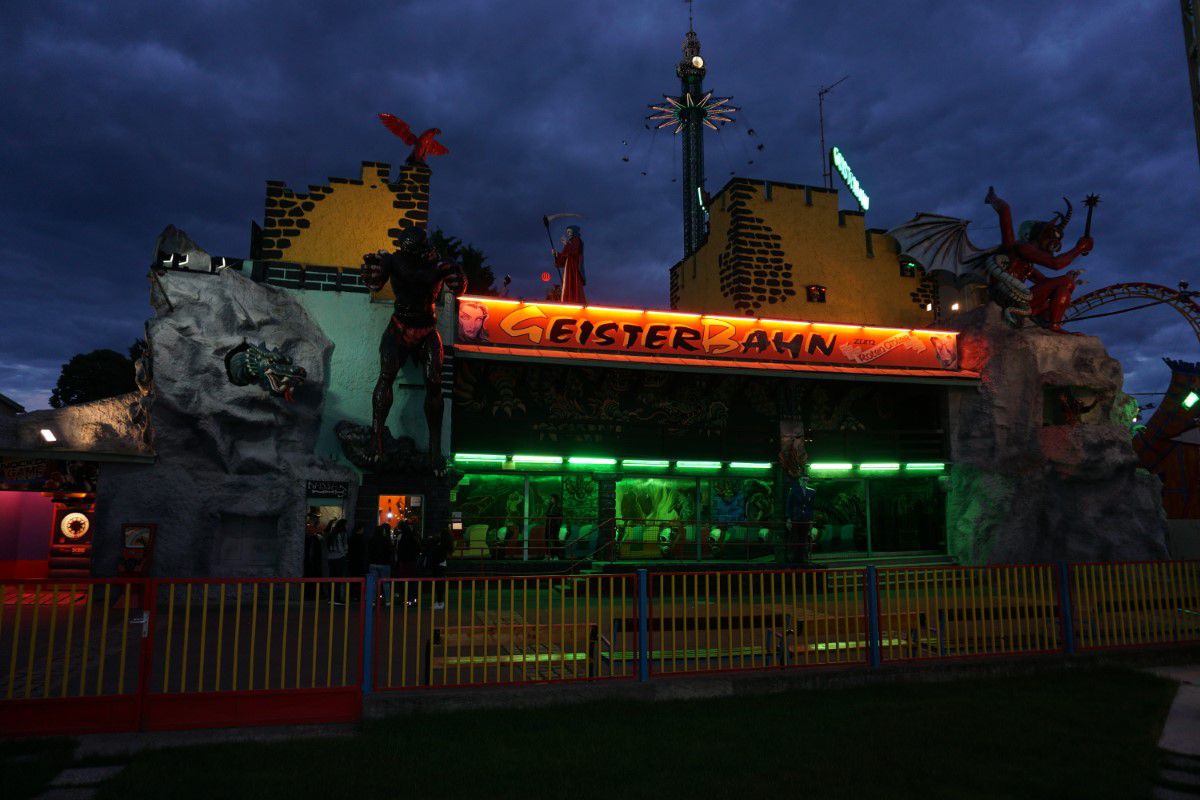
x=513, y=407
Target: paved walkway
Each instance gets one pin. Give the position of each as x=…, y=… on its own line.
x=1179, y=778
x=82, y=783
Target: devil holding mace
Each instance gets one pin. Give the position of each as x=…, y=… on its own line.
x=940, y=244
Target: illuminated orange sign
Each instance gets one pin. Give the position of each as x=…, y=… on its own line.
x=514, y=323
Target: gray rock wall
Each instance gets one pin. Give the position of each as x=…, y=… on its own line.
x=228, y=488
x=1021, y=490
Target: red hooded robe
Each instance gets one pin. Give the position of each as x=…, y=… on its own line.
x=570, y=261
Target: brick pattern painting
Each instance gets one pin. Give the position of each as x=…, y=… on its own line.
x=752, y=269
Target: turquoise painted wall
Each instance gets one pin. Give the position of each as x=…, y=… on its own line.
x=355, y=324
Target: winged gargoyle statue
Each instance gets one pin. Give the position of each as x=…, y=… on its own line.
x=939, y=244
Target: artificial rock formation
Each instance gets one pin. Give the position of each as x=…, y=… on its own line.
x=228, y=490
x=1043, y=464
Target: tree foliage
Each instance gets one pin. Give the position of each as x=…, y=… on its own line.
x=480, y=278
x=96, y=375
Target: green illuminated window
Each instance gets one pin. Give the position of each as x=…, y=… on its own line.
x=698, y=464
x=596, y=461
x=644, y=463
x=749, y=465
x=879, y=466
x=530, y=459
x=925, y=466
x=479, y=458
x=1190, y=400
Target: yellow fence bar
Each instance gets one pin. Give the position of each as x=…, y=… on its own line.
x=53, y=646
x=219, y=641
x=477, y=631
x=1135, y=604
x=951, y=612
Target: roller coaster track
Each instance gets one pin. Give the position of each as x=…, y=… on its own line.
x=1181, y=300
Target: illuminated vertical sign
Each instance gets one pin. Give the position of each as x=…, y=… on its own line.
x=843, y=168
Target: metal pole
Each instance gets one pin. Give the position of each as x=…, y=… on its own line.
x=525, y=528
x=1064, y=607
x=369, y=596
x=873, y=614
x=643, y=612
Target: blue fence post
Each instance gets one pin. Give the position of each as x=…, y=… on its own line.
x=643, y=611
x=370, y=595
x=873, y=614
x=1064, y=605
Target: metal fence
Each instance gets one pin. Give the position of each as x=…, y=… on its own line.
x=476, y=631
x=64, y=640
x=954, y=612
x=213, y=636
x=1135, y=604
x=127, y=654
x=703, y=621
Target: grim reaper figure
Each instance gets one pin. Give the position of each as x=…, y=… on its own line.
x=940, y=244
x=417, y=276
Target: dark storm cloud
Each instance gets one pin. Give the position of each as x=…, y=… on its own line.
x=122, y=117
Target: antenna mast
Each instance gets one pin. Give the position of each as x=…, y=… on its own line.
x=826, y=172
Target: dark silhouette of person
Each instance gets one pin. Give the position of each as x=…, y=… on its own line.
x=554, y=521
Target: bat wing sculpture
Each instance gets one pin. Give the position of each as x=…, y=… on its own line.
x=940, y=244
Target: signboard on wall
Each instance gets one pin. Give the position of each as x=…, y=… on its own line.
x=499, y=322
x=47, y=475
x=328, y=490
x=137, y=548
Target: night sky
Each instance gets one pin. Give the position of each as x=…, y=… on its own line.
x=119, y=118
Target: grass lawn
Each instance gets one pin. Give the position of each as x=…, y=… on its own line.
x=1087, y=734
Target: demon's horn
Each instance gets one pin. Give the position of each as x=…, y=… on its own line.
x=1067, y=218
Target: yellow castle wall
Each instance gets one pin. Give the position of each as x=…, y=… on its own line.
x=336, y=224
x=768, y=241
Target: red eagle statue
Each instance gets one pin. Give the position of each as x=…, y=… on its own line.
x=422, y=146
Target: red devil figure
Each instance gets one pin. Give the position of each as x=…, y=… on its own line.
x=1038, y=243
x=423, y=145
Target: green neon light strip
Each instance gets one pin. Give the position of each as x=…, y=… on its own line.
x=831, y=467
x=749, y=465
x=592, y=461
x=698, y=464
x=843, y=169
x=879, y=467
x=480, y=457
x=641, y=463
x=925, y=466
x=526, y=459
x=1190, y=400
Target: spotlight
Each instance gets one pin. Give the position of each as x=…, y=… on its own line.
x=48, y=436
x=954, y=306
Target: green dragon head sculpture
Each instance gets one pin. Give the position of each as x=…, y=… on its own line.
x=249, y=364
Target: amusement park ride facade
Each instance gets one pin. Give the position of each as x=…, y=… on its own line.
x=797, y=343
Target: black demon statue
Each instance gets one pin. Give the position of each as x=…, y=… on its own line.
x=417, y=276
x=940, y=244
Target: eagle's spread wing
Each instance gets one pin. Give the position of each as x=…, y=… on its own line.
x=939, y=243
x=398, y=127
x=436, y=148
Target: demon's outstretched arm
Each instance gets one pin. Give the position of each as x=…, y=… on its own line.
x=453, y=277
x=1036, y=255
x=1002, y=208
x=375, y=270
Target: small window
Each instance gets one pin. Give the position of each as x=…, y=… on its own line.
x=908, y=268
x=816, y=294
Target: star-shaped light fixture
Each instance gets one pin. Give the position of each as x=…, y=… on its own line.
x=680, y=111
